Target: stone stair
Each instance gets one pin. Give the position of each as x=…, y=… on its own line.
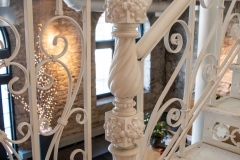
x=203, y=151
x=221, y=133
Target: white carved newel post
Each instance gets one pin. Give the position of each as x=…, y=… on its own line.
x=124, y=125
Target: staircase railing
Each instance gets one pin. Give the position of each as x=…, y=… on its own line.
x=32, y=83
x=123, y=125
x=211, y=72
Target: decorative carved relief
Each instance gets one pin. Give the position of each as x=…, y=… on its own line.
x=119, y=131
x=135, y=130
x=117, y=9
x=228, y=134
x=6, y=142
x=114, y=130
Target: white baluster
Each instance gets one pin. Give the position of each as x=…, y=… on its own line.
x=124, y=125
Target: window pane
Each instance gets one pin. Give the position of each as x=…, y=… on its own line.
x=147, y=62
x=2, y=45
x=103, y=29
x=147, y=70
x=103, y=59
x=4, y=91
x=3, y=70
x=7, y=122
x=5, y=103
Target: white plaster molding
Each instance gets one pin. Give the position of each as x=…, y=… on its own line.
x=129, y=11
x=114, y=130
x=124, y=125
x=135, y=130
x=124, y=154
x=124, y=132
x=228, y=135
x=125, y=75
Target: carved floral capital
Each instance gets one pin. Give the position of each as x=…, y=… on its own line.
x=123, y=132
x=125, y=11
x=114, y=130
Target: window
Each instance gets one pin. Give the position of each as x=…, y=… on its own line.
x=147, y=62
x=104, y=54
x=6, y=110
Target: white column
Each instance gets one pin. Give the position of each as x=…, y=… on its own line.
x=206, y=20
x=124, y=124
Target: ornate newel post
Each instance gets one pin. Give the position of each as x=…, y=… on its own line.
x=124, y=125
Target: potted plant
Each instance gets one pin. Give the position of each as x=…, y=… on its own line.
x=160, y=132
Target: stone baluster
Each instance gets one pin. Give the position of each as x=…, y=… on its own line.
x=124, y=125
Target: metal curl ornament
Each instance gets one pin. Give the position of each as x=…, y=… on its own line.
x=208, y=73
x=51, y=79
x=46, y=123
x=55, y=40
x=78, y=151
x=63, y=120
x=7, y=62
x=226, y=23
x=158, y=109
x=79, y=116
x=174, y=114
x=15, y=79
x=5, y=141
x=176, y=38
x=235, y=31
x=204, y=74
x=17, y=39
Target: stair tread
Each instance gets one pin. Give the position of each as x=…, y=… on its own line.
x=227, y=105
x=203, y=151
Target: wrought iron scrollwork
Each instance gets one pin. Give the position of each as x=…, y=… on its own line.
x=175, y=116
x=4, y=140
x=67, y=112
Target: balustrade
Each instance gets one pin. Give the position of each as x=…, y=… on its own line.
x=124, y=124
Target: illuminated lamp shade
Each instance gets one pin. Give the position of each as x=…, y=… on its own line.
x=6, y=12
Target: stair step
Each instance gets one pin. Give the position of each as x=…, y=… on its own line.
x=221, y=124
x=227, y=106
x=203, y=151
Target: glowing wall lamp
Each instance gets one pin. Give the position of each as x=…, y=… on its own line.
x=6, y=12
